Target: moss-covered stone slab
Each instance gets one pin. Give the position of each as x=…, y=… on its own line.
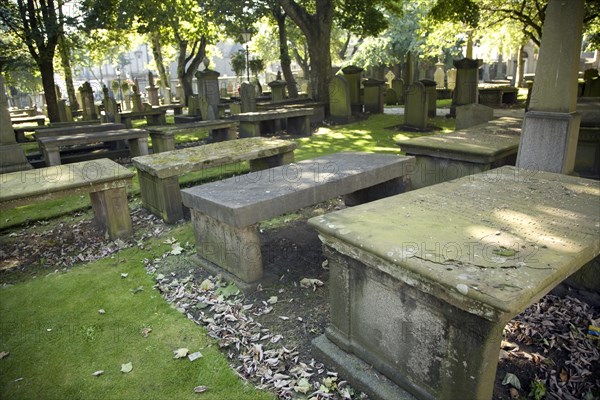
x=296, y=121
x=74, y=128
x=423, y=283
x=103, y=179
x=163, y=137
x=178, y=162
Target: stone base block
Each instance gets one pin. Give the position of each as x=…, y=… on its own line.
x=111, y=211
x=361, y=374
x=161, y=197
x=549, y=141
x=12, y=159
x=236, y=250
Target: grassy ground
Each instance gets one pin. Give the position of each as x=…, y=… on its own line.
x=57, y=338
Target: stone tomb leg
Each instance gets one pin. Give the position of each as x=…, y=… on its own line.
x=138, y=146
x=111, y=211
x=299, y=125
x=161, y=196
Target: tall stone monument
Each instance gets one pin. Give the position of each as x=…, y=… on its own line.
x=551, y=126
x=467, y=80
x=136, y=97
x=439, y=76
x=353, y=74
x=451, y=77
x=12, y=156
x=277, y=88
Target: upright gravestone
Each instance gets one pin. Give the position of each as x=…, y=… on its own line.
x=352, y=74
x=389, y=77
x=467, y=80
x=415, y=113
x=551, y=126
x=152, y=90
x=277, y=89
x=12, y=156
x=439, y=76
x=64, y=112
x=391, y=97
x=248, y=97
x=374, y=95
x=208, y=88
x=194, y=106
x=398, y=87
x=339, y=100
x=451, y=77
x=431, y=97
x=136, y=98
x=87, y=104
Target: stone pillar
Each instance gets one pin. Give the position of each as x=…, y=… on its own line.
x=467, y=80
x=152, y=90
x=352, y=74
x=208, y=88
x=374, y=95
x=12, y=156
x=551, y=127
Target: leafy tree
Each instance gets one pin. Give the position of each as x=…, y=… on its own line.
x=36, y=24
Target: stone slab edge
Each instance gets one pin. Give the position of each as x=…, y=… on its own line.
x=361, y=375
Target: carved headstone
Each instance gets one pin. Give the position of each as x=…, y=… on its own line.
x=374, y=95
x=353, y=74
x=439, y=76
x=415, y=113
x=430, y=88
x=339, y=99
x=248, y=97
x=208, y=88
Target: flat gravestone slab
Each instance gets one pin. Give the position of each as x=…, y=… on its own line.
x=489, y=244
x=483, y=143
x=177, y=162
x=273, y=114
x=200, y=125
x=18, y=188
x=247, y=199
x=72, y=129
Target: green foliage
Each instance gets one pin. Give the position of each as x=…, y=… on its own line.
x=256, y=65
x=238, y=63
x=538, y=390
x=464, y=11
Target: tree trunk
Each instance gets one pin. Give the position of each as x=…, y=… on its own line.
x=158, y=58
x=317, y=29
x=65, y=61
x=302, y=62
x=284, y=54
x=47, y=71
x=186, y=68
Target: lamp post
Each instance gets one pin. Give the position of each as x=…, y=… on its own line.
x=246, y=37
x=120, y=88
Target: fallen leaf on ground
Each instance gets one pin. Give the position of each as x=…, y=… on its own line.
x=200, y=389
x=514, y=393
x=181, y=352
x=101, y=311
x=303, y=386
x=511, y=379
x=207, y=284
x=137, y=289
x=3, y=354
x=146, y=332
x=98, y=373
x=311, y=283
x=283, y=317
x=124, y=275
x=195, y=356
x=272, y=300
x=176, y=249
x=564, y=376
x=127, y=368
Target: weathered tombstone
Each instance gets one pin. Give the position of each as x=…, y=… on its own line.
x=339, y=100
x=179, y=93
x=415, y=113
x=235, y=108
x=439, y=76
x=248, y=97
x=431, y=97
x=551, y=127
x=352, y=74
x=277, y=89
x=389, y=77
x=167, y=95
x=391, y=98
x=473, y=114
x=152, y=90
x=208, y=88
x=194, y=106
x=87, y=104
x=467, y=81
x=591, y=87
x=136, y=97
x=398, y=87
x=374, y=95
x=451, y=76
x=12, y=156
x=64, y=112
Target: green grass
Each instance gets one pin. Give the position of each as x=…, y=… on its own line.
x=56, y=337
